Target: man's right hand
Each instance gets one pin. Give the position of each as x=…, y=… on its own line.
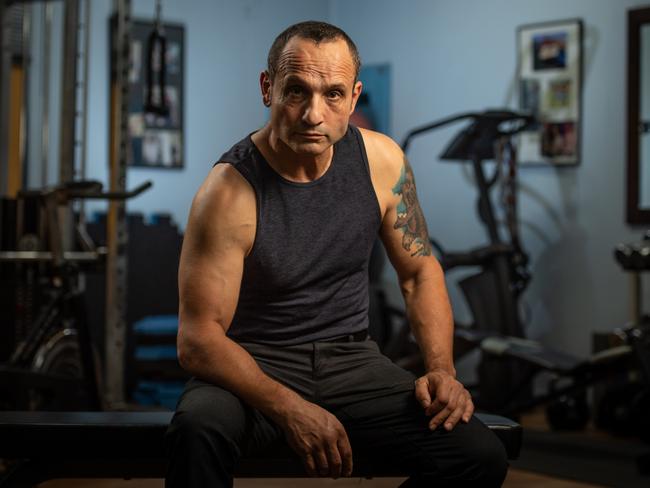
x=319, y=439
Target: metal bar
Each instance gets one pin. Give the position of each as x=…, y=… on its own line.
x=23, y=153
x=68, y=90
x=91, y=378
x=39, y=256
x=116, y=231
x=45, y=86
x=11, y=85
x=16, y=129
x=5, y=70
x=84, y=109
x=485, y=208
x=54, y=230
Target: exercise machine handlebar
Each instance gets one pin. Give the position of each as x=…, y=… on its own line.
x=86, y=189
x=52, y=196
x=492, y=117
x=434, y=125
x=117, y=195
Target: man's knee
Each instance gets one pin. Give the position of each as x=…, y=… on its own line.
x=475, y=458
x=481, y=465
x=199, y=451
x=207, y=418
x=489, y=460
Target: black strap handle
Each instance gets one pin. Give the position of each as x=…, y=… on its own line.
x=156, y=47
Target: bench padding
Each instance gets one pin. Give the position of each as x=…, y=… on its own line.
x=130, y=445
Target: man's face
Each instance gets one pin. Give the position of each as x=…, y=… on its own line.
x=313, y=94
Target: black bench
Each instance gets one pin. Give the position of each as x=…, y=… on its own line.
x=49, y=445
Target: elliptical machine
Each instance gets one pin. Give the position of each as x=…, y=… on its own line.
x=493, y=293
x=509, y=362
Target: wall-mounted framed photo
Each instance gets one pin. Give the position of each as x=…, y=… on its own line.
x=155, y=140
x=549, y=76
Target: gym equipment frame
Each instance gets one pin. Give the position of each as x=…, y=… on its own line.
x=44, y=364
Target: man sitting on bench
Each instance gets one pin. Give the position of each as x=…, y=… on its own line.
x=274, y=296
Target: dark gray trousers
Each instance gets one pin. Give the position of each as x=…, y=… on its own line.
x=372, y=397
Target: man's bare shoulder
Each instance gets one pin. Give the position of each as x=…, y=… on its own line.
x=384, y=154
x=225, y=185
x=224, y=205
x=386, y=161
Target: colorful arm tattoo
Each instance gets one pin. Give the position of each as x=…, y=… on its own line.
x=410, y=219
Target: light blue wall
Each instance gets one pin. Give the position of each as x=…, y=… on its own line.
x=225, y=50
x=450, y=56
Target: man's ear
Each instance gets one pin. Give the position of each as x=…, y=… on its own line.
x=356, y=91
x=265, y=86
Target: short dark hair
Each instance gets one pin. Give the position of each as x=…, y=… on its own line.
x=314, y=31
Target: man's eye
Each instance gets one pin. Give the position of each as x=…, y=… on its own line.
x=335, y=94
x=295, y=90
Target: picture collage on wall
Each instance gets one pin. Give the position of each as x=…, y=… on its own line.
x=550, y=77
x=156, y=140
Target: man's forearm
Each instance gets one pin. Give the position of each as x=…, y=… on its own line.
x=430, y=317
x=217, y=359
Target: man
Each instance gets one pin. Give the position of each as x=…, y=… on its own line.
x=274, y=300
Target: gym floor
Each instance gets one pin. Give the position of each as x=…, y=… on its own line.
x=515, y=479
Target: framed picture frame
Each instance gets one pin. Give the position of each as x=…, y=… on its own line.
x=155, y=140
x=549, y=78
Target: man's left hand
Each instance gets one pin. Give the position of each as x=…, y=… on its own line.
x=444, y=397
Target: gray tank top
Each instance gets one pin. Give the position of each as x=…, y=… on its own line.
x=306, y=277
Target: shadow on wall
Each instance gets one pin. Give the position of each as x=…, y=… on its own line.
x=562, y=288
x=562, y=278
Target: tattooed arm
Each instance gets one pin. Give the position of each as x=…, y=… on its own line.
x=406, y=239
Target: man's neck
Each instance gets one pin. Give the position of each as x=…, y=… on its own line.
x=300, y=168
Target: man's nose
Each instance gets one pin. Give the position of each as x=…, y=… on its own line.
x=313, y=114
